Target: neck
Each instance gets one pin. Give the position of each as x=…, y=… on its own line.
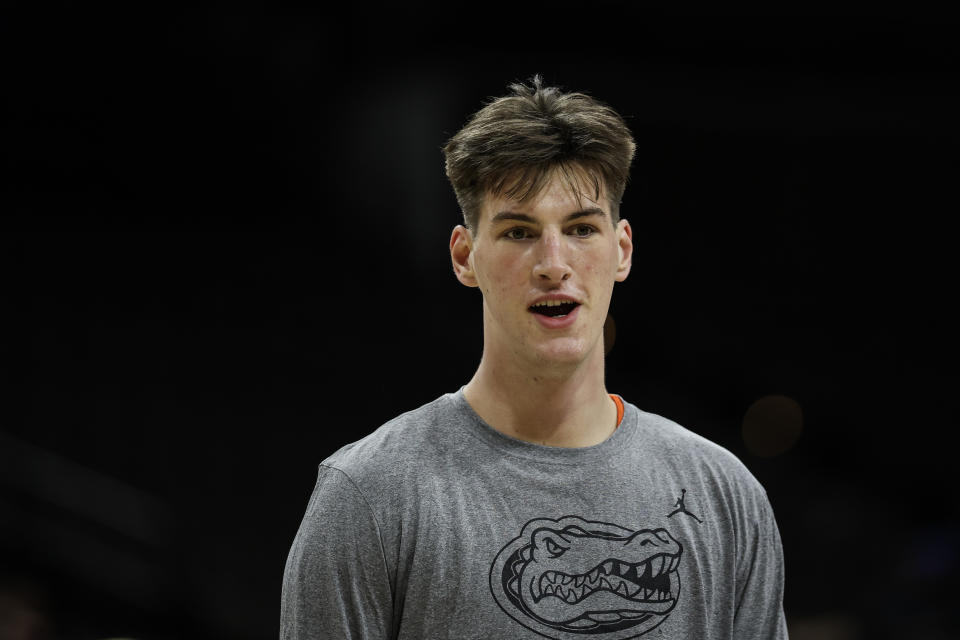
x=560, y=408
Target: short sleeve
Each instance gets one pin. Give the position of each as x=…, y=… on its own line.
x=760, y=584
x=335, y=583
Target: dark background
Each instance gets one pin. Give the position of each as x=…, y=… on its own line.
x=224, y=245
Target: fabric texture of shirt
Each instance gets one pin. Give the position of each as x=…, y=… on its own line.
x=436, y=525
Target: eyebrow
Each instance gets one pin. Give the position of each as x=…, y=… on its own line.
x=522, y=217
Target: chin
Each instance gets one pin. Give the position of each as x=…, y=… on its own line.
x=563, y=351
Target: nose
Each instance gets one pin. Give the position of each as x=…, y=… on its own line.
x=551, y=263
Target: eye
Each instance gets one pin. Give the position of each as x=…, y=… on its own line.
x=554, y=549
x=584, y=230
x=517, y=233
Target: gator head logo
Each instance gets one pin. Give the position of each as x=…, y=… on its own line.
x=572, y=577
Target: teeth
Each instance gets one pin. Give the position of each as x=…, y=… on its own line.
x=642, y=569
x=608, y=567
x=624, y=569
x=552, y=303
x=579, y=581
x=657, y=566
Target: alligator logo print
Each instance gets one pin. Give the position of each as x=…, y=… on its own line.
x=574, y=578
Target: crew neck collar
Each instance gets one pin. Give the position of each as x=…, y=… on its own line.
x=612, y=446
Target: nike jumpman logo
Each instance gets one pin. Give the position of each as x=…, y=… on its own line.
x=681, y=508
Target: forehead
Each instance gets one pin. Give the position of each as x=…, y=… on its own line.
x=560, y=190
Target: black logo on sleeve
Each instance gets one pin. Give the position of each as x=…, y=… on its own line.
x=571, y=578
x=681, y=508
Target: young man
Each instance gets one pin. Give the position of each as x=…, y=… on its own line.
x=531, y=503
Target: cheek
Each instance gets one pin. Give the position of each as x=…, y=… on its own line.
x=611, y=260
x=599, y=263
x=500, y=274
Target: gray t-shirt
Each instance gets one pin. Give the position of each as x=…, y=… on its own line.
x=438, y=526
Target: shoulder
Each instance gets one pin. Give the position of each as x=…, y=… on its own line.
x=392, y=450
x=680, y=447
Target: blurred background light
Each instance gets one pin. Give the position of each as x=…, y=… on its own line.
x=772, y=425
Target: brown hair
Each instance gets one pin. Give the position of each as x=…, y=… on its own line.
x=513, y=145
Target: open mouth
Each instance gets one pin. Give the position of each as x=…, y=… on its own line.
x=647, y=582
x=554, y=308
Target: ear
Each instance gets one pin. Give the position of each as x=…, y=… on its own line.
x=625, y=243
x=461, y=250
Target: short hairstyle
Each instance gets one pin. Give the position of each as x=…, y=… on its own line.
x=513, y=145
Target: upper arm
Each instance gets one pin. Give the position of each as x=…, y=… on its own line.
x=336, y=583
x=760, y=576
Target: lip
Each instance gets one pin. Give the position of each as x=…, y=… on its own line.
x=558, y=323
